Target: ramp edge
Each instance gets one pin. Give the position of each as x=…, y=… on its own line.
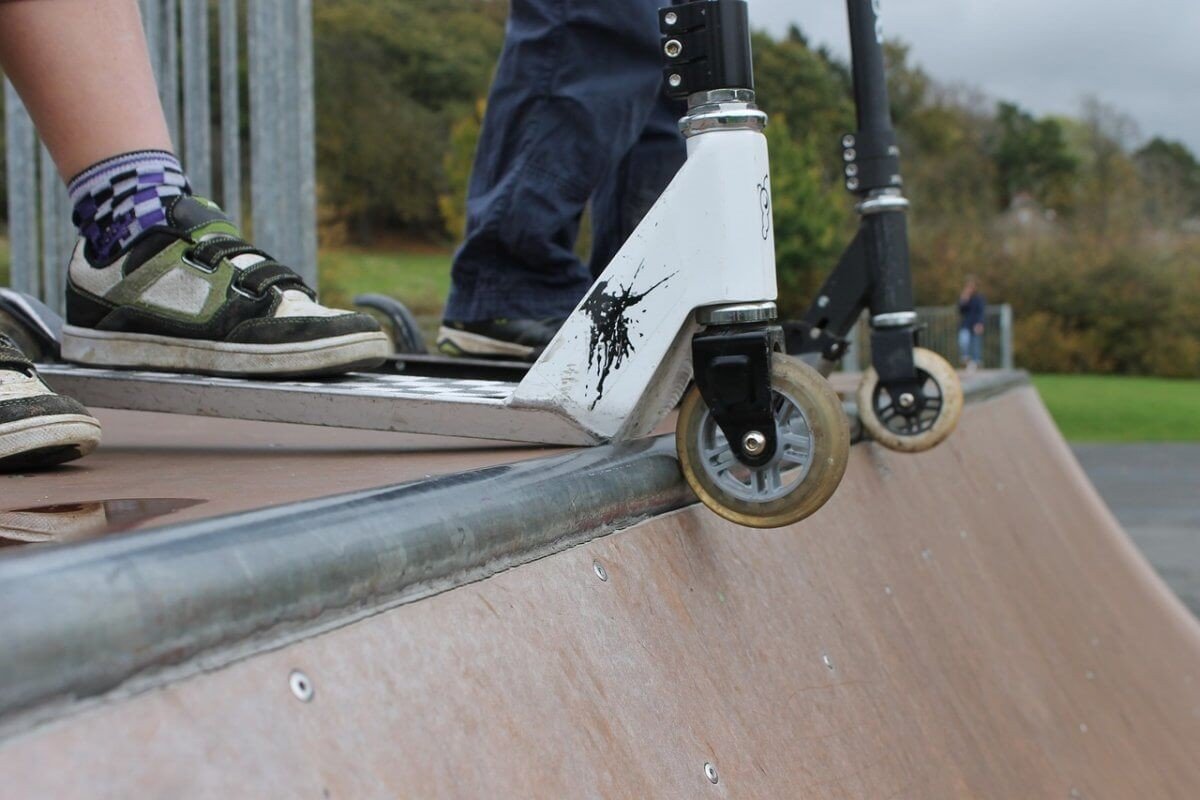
x=105, y=619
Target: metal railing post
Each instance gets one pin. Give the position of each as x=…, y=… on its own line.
x=21, y=165
x=197, y=138
x=264, y=182
x=1006, y=336
x=231, y=114
x=853, y=361
x=51, y=232
x=305, y=164
x=168, y=74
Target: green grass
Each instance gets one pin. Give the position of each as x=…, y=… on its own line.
x=419, y=280
x=1101, y=408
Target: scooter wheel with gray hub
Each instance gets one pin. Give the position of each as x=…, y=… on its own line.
x=813, y=447
x=912, y=424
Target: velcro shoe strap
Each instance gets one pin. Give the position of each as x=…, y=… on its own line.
x=264, y=275
x=11, y=357
x=210, y=252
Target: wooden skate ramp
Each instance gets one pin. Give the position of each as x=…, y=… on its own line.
x=969, y=622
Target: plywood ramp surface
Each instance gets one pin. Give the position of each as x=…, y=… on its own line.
x=964, y=623
x=226, y=466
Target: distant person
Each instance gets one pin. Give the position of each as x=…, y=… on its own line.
x=577, y=111
x=971, y=307
x=159, y=279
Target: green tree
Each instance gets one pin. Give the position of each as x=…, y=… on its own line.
x=810, y=217
x=460, y=156
x=809, y=89
x=1031, y=155
x=1171, y=175
x=391, y=78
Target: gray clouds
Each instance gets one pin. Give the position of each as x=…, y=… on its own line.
x=1141, y=57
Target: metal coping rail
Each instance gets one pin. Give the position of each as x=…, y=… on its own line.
x=123, y=614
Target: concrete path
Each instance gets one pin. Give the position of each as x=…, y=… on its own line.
x=1154, y=489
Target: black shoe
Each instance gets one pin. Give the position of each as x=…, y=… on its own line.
x=192, y=296
x=522, y=339
x=38, y=428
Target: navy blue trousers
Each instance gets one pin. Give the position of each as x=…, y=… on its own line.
x=576, y=112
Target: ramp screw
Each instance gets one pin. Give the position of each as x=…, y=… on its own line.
x=827, y=660
x=301, y=686
x=601, y=572
x=710, y=772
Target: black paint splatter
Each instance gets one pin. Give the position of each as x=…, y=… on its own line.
x=610, y=345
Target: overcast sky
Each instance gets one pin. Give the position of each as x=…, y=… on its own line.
x=1140, y=56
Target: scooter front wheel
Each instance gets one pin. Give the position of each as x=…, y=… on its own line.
x=921, y=423
x=813, y=448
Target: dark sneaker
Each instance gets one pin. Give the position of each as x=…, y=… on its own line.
x=523, y=339
x=38, y=428
x=192, y=296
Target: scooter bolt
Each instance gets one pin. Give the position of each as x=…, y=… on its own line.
x=848, y=141
x=850, y=154
x=852, y=184
x=906, y=400
x=671, y=18
x=675, y=79
x=851, y=170
x=673, y=48
x=754, y=443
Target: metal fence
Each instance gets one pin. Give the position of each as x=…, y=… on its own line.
x=939, y=332
x=281, y=180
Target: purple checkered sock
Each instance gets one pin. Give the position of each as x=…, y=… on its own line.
x=122, y=196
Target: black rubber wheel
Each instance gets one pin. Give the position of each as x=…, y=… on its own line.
x=938, y=418
x=31, y=324
x=30, y=344
x=399, y=322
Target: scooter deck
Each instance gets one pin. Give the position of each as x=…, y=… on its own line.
x=434, y=366
x=372, y=401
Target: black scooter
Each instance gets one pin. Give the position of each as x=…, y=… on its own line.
x=910, y=398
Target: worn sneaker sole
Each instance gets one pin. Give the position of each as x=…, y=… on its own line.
x=454, y=342
x=335, y=355
x=46, y=441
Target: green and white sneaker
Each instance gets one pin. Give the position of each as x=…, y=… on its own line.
x=38, y=428
x=192, y=296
